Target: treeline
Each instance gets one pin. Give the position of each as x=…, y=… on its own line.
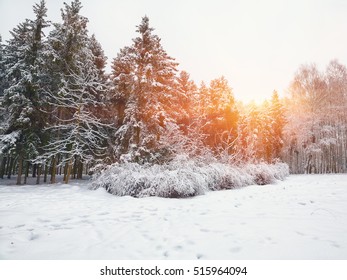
x=316, y=131
x=62, y=114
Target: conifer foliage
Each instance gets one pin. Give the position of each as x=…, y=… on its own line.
x=76, y=133
x=144, y=77
x=23, y=61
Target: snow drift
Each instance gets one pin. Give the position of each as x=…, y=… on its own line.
x=184, y=178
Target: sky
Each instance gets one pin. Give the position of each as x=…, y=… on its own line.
x=256, y=45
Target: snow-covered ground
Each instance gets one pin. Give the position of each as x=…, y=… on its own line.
x=304, y=217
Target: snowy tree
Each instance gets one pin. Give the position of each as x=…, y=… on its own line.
x=186, y=104
x=2, y=69
x=221, y=116
x=2, y=88
x=77, y=135
x=277, y=119
x=315, y=135
x=145, y=87
x=23, y=63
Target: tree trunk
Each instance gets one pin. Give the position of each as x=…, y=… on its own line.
x=68, y=173
x=80, y=170
x=46, y=173
x=3, y=167
x=34, y=170
x=9, y=168
x=66, y=167
x=26, y=173
x=53, y=170
x=75, y=164
x=38, y=174
x=20, y=167
x=14, y=166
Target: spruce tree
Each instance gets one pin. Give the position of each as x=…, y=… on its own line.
x=2, y=70
x=187, y=103
x=221, y=116
x=23, y=63
x=277, y=115
x=76, y=134
x=144, y=78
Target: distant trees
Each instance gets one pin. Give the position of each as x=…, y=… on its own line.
x=316, y=112
x=260, y=130
x=218, y=116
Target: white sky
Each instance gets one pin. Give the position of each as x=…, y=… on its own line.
x=256, y=45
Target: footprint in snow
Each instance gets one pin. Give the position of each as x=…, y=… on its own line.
x=302, y=203
x=334, y=244
x=204, y=230
x=190, y=242
x=19, y=226
x=103, y=213
x=178, y=247
x=235, y=249
x=43, y=220
x=84, y=216
x=199, y=256
x=33, y=236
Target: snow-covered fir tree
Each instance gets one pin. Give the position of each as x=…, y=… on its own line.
x=220, y=116
x=144, y=78
x=23, y=62
x=2, y=69
x=277, y=118
x=77, y=136
x=2, y=88
x=188, y=91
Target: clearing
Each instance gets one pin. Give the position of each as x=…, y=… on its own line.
x=303, y=217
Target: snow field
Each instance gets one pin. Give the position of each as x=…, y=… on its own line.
x=303, y=217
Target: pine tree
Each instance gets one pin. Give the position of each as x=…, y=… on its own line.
x=277, y=115
x=2, y=70
x=186, y=105
x=23, y=62
x=221, y=116
x=145, y=86
x=77, y=135
x=2, y=88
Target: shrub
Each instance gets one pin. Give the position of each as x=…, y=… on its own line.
x=183, y=177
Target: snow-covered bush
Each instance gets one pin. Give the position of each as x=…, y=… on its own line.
x=183, y=177
x=264, y=174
